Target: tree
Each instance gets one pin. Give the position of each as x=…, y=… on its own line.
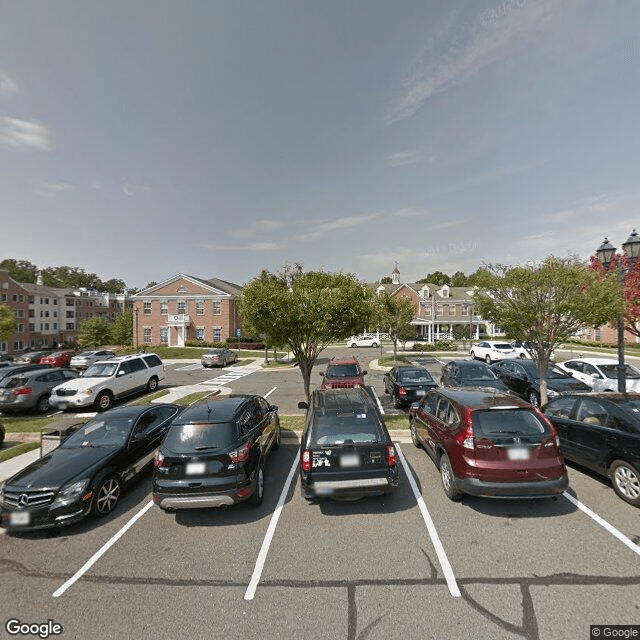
x=305, y=311
x=8, y=323
x=20, y=270
x=95, y=332
x=386, y=280
x=438, y=278
x=122, y=329
x=395, y=315
x=458, y=279
x=630, y=288
x=546, y=304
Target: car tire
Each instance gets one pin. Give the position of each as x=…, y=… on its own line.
x=104, y=401
x=42, y=406
x=152, y=385
x=258, y=493
x=473, y=355
x=278, y=437
x=353, y=345
x=487, y=359
x=106, y=496
x=533, y=398
x=414, y=435
x=374, y=344
x=625, y=479
x=448, y=479
x=522, y=356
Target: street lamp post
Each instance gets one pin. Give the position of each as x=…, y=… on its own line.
x=605, y=254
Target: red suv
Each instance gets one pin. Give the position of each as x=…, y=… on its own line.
x=489, y=443
x=343, y=373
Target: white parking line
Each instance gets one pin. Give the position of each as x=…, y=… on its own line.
x=266, y=543
x=98, y=554
x=454, y=590
x=603, y=523
x=266, y=395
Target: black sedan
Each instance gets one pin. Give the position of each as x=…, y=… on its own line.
x=86, y=473
x=215, y=453
x=407, y=384
x=523, y=378
x=601, y=431
x=470, y=373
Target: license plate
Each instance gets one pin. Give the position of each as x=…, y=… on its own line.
x=350, y=460
x=420, y=392
x=195, y=468
x=518, y=453
x=19, y=518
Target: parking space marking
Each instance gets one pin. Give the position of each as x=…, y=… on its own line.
x=189, y=367
x=603, y=523
x=454, y=590
x=98, y=554
x=266, y=395
x=266, y=543
x=230, y=376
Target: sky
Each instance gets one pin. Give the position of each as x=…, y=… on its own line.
x=139, y=140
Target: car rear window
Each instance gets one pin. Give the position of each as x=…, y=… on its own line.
x=494, y=423
x=12, y=383
x=343, y=371
x=414, y=375
x=503, y=345
x=337, y=429
x=478, y=372
x=187, y=438
x=152, y=360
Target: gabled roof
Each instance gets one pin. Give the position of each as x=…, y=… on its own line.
x=216, y=286
x=455, y=293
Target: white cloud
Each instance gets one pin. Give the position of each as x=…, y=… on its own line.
x=402, y=158
x=22, y=133
x=131, y=189
x=260, y=227
x=8, y=86
x=339, y=224
x=53, y=188
x=461, y=50
x=410, y=212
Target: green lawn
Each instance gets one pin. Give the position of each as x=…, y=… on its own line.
x=18, y=450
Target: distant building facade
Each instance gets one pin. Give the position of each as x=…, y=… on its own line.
x=185, y=308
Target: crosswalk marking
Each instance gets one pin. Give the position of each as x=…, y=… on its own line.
x=231, y=376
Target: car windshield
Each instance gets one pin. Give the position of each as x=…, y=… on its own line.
x=101, y=370
x=343, y=371
x=337, y=429
x=100, y=432
x=188, y=438
x=611, y=371
x=414, y=375
x=556, y=372
x=476, y=371
x=508, y=422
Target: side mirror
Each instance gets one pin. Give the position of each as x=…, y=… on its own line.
x=364, y=373
x=273, y=407
x=303, y=405
x=120, y=373
x=322, y=374
x=414, y=405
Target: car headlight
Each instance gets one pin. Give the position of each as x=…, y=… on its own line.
x=552, y=394
x=70, y=493
x=86, y=392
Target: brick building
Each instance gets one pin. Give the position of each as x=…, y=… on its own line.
x=185, y=308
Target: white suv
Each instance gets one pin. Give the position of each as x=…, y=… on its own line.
x=106, y=380
x=491, y=351
x=363, y=341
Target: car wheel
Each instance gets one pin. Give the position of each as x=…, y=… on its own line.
x=258, y=493
x=43, y=404
x=374, y=344
x=473, y=355
x=533, y=398
x=353, y=345
x=278, y=437
x=487, y=359
x=152, y=385
x=106, y=496
x=104, y=401
x=625, y=479
x=448, y=479
x=522, y=356
x=414, y=435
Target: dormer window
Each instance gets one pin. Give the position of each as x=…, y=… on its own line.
x=444, y=292
x=425, y=292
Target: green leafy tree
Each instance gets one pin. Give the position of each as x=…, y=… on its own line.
x=395, y=315
x=547, y=304
x=386, y=280
x=438, y=278
x=8, y=323
x=20, y=270
x=305, y=311
x=459, y=279
x=95, y=332
x=122, y=329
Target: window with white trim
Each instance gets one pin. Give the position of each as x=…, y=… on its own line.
x=217, y=308
x=216, y=334
x=164, y=308
x=181, y=307
x=164, y=335
x=199, y=307
x=146, y=335
x=146, y=307
x=200, y=332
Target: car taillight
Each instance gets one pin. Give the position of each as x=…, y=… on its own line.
x=391, y=456
x=158, y=460
x=305, y=461
x=402, y=391
x=25, y=391
x=241, y=454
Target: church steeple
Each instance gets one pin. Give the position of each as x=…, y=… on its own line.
x=395, y=276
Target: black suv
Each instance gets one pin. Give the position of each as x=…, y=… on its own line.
x=214, y=454
x=346, y=451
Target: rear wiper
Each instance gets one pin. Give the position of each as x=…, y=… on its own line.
x=205, y=448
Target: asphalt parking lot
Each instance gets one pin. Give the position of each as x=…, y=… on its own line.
x=410, y=565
